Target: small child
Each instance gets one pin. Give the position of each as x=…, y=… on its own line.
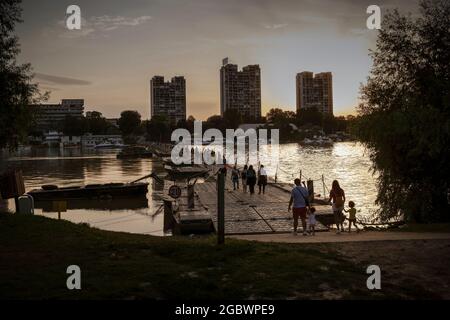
x=351, y=216
x=312, y=220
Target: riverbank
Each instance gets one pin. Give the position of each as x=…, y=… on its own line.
x=36, y=251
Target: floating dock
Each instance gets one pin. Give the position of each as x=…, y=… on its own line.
x=244, y=213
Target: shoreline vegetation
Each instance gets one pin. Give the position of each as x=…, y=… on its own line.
x=36, y=252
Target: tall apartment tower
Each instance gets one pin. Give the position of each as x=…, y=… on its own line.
x=168, y=98
x=315, y=91
x=240, y=90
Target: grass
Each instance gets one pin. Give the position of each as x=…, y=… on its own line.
x=35, y=252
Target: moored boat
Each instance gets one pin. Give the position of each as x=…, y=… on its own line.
x=134, y=152
x=90, y=191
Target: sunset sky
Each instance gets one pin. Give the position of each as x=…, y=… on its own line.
x=122, y=44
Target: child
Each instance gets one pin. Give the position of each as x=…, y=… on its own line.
x=235, y=177
x=351, y=216
x=312, y=220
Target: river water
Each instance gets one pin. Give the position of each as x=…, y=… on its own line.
x=348, y=162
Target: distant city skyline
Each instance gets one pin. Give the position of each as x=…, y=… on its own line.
x=123, y=44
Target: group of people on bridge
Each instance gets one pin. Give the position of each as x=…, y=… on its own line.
x=299, y=201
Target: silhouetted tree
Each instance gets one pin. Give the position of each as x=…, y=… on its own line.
x=232, y=119
x=309, y=116
x=158, y=129
x=129, y=122
x=405, y=115
x=17, y=89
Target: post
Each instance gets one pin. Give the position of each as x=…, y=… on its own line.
x=310, y=186
x=323, y=185
x=300, y=175
x=190, y=194
x=221, y=207
x=168, y=215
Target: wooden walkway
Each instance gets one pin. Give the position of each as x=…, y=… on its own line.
x=247, y=214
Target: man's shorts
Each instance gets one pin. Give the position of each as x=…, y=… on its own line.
x=299, y=212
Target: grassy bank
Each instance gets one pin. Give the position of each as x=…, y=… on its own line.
x=35, y=252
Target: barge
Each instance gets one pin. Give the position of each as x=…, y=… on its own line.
x=90, y=191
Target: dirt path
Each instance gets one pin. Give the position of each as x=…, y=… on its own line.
x=327, y=237
x=412, y=266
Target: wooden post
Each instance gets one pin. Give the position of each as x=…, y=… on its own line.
x=190, y=194
x=323, y=184
x=300, y=175
x=221, y=207
x=310, y=184
x=168, y=215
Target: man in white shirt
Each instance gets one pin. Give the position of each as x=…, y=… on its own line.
x=262, y=179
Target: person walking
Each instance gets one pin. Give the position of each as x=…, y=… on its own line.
x=262, y=179
x=235, y=177
x=251, y=179
x=337, y=194
x=299, y=199
x=244, y=178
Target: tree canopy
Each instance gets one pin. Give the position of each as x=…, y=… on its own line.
x=404, y=117
x=129, y=122
x=17, y=89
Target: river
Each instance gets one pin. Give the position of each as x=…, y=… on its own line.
x=348, y=162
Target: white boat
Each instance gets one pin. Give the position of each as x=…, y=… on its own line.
x=109, y=145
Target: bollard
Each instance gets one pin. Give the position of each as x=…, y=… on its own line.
x=25, y=204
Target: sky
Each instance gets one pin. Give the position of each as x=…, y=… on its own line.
x=123, y=44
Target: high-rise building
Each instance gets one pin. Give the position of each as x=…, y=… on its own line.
x=240, y=90
x=168, y=98
x=50, y=116
x=315, y=91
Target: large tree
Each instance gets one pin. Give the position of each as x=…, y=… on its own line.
x=129, y=122
x=405, y=115
x=17, y=90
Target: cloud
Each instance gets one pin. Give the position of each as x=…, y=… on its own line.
x=102, y=24
x=109, y=23
x=51, y=79
x=275, y=26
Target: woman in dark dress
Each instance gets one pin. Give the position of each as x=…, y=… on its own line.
x=337, y=194
x=251, y=179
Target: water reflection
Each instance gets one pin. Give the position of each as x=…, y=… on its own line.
x=346, y=161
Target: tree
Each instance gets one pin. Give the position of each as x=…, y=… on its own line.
x=74, y=126
x=158, y=129
x=96, y=123
x=129, y=122
x=232, y=119
x=309, y=116
x=404, y=116
x=17, y=89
